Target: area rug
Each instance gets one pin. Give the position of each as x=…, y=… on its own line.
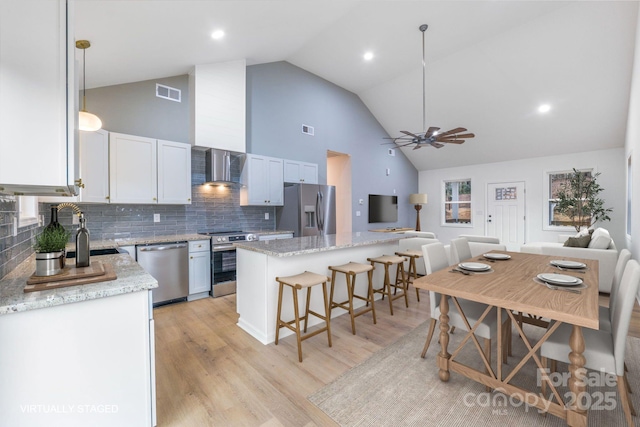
x=395, y=387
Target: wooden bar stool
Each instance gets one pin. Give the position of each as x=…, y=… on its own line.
x=388, y=260
x=412, y=274
x=351, y=270
x=304, y=280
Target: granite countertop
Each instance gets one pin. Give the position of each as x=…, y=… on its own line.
x=314, y=244
x=131, y=278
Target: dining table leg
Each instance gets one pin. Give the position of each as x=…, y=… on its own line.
x=577, y=414
x=443, y=356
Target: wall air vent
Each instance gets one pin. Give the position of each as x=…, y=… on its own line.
x=170, y=93
x=307, y=130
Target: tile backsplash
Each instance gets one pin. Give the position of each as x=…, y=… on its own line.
x=13, y=249
x=213, y=208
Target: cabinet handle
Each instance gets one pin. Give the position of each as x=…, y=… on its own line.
x=79, y=183
x=107, y=197
x=188, y=200
x=154, y=199
x=191, y=257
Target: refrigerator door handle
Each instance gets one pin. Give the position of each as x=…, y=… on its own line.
x=320, y=212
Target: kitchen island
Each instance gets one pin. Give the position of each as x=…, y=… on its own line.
x=80, y=355
x=259, y=263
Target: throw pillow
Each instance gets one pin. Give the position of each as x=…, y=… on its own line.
x=578, y=242
x=600, y=239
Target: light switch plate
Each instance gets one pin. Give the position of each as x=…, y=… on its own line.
x=75, y=219
x=156, y=217
x=357, y=213
x=266, y=215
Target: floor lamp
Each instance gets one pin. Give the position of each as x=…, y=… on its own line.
x=417, y=200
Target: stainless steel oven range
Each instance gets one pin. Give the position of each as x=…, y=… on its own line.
x=223, y=260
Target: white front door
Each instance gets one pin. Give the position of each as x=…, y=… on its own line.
x=505, y=213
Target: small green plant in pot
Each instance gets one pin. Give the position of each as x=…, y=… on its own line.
x=50, y=250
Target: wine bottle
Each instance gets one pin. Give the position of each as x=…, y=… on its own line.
x=54, y=224
x=82, y=244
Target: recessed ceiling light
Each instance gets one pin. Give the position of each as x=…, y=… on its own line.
x=368, y=56
x=217, y=34
x=544, y=108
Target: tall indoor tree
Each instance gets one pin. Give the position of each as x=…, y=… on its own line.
x=578, y=200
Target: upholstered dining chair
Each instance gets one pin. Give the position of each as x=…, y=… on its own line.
x=605, y=312
x=435, y=258
x=604, y=350
x=460, y=250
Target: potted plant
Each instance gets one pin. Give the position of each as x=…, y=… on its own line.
x=579, y=202
x=50, y=250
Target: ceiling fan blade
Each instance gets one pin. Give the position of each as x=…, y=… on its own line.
x=437, y=144
x=405, y=145
x=454, y=141
x=413, y=135
x=418, y=146
x=430, y=131
x=455, y=136
x=450, y=132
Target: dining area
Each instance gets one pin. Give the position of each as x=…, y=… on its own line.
x=551, y=305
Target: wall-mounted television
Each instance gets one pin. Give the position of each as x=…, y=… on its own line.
x=383, y=208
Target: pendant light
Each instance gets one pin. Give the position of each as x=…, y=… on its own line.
x=86, y=120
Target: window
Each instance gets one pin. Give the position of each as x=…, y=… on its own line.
x=27, y=210
x=457, y=202
x=557, y=181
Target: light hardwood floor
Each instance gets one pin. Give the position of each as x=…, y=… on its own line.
x=209, y=372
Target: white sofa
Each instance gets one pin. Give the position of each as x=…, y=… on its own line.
x=607, y=258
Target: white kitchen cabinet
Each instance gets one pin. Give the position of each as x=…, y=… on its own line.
x=132, y=169
x=262, y=181
x=94, y=166
x=199, y=269
x=300, y=172
x=38, y=101
x=148, y=171
x=174, y=173
x=218, y=105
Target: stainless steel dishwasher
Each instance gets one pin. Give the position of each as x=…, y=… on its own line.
x=168, y=263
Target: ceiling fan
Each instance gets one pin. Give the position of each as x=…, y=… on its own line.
x=430, y=136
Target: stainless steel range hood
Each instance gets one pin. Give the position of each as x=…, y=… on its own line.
x=218, y=166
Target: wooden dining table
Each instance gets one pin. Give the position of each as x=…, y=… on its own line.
x=510, y=285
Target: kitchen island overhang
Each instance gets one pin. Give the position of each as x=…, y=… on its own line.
x=259, y=263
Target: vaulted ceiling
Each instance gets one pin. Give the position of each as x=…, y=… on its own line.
x=490, y=64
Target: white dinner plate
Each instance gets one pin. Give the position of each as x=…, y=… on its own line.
x=560, y=279
x=567, y=264
x=497, y=256
x=474, y=266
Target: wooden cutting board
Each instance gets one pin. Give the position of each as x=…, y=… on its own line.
x=70, y=272
x=94, y=273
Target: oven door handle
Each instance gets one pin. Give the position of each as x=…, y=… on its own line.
x=224, y=248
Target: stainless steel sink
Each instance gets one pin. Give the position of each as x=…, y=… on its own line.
x=96, y=252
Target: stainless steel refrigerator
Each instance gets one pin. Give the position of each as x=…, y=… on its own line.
x=309, y=210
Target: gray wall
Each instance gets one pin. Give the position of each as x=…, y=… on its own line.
x=134, y=109
x=281, y=97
